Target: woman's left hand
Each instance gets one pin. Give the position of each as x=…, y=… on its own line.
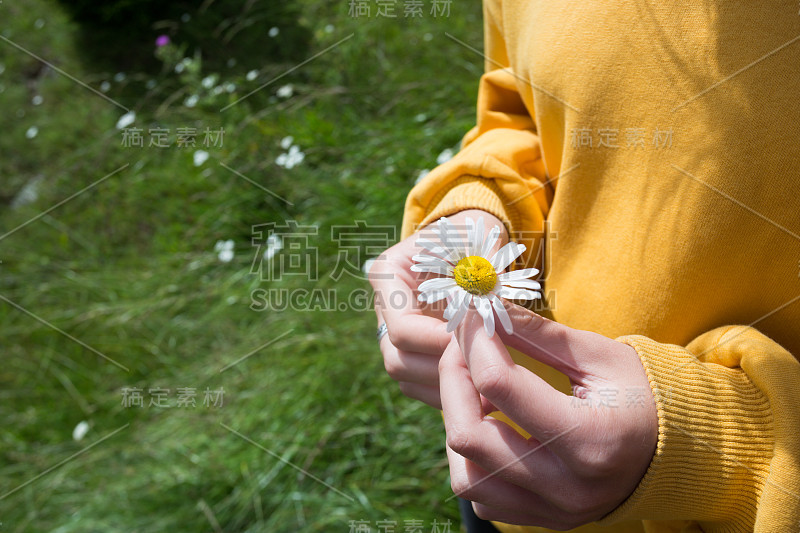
x=587, y=453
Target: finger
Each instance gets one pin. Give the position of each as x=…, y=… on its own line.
x=424, y=393
x=413, y=367
x=409, y=328
x=498, y=500
x=519, y=393
x=571, y=351
x=492, y=444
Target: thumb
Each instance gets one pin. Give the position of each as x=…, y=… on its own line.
x=476, y=345
x=522, y=395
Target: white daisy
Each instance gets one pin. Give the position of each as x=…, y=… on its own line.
x=470, y=276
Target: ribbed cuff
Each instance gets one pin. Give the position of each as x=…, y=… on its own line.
x=470, y=192
x=714, y=447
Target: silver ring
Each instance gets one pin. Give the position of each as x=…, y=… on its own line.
x=382, y=330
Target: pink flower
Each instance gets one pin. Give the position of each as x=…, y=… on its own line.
x=162, y=40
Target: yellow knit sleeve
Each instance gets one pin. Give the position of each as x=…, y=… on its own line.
x=728, y=454
x=499, y=168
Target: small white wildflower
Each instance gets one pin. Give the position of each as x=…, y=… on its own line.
x=286, y=142
x=37, y=100
x=80, y=430
x=422, y=117
x=224, y=250
x=274, y=245
x=230, y=87
x=32, y=132
x=119, y=77
x=445, y=156
x=209, y=81
x=253, y=74
x=286, y=91
x=29, y=193
x=191, y=101
x=230, y=300
x=185, y=63
x=231, y=62
x=428, y=37
x=39, y=24
x=151, y=84
x=329, y=28
x=126, y=120
x=281, y=160
x=105, y=87
x=295, y=157
x=200, y=157
x=273, y=31
x=186, y=17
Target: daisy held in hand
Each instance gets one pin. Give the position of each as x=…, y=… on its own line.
x=470, y=276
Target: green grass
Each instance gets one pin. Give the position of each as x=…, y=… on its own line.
x=128, y=268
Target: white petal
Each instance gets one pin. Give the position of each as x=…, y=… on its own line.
x=522, y=283
x=474, y=236
x=470, y=235
x=434, y=269
x=502, y=314
x=485, y=310
x=437, y=284
x=522, y=273
x=430, y=260
x=517, y=294
x=506, y=255
x=435, y=296
x=459, y=314
x=432, y=247
x=478, y=243
x=490, y=241
x=455, y=303
x=451, y=238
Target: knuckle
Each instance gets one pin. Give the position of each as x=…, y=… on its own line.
x=493, y=382
x=460, y=441
x=393, y=367
x=400, y=339
x=529, y=322
x=461, y=487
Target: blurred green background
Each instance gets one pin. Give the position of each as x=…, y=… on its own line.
x=132, y=267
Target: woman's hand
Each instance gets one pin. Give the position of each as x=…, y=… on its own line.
x=586, y=454
x=417, y=334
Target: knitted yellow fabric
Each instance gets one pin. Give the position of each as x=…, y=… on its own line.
x=648, y=155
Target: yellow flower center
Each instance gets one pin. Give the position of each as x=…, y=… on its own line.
x=475, y=275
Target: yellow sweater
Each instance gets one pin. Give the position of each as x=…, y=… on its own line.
x=648, y=154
